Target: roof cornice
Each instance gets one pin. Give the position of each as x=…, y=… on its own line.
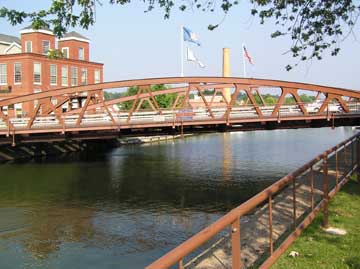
x=74, y=38
x=29, y=31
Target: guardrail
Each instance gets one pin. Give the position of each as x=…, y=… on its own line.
x=237, y=115
x=277, y=215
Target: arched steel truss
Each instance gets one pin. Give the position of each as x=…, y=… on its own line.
x=47, y=113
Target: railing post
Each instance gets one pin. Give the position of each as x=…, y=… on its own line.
x=352, y=155
x=235, y=244
x=312, y=187
x=337, y=168
x=294, y=202
x=13, y=144
x=271, y=244
x=326, y=191
x=181, y=265
x=345, y=158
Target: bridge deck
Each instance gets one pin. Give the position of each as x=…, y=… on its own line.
x=83, y=108
x=94, y=122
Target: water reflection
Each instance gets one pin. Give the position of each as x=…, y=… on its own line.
x=227, y=156
x=126, y=208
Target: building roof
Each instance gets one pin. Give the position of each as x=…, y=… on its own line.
x=30, y=29
x=9, y=39
x=74, y=35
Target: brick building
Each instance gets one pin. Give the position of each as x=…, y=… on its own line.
x=25, y=65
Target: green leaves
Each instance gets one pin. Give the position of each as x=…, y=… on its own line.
x=13, y=16
x=55, y=54
x=315, y=26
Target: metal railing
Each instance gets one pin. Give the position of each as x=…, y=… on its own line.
x=258, y=231
x=170, y=117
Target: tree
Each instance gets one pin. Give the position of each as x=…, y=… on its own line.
x=315, y=26
x=112, y=95
x=307, y=98
x=163, y=100
x=270, y=100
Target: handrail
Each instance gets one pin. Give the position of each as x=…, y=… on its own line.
x=207, y=233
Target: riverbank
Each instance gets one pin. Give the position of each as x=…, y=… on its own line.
x=151, y=139
x=45, y=149
x=318, y=249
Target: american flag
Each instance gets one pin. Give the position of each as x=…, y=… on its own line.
x=246, y=54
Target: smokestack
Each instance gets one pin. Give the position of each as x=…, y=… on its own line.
x=226, y=71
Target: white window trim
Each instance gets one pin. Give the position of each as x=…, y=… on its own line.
x=77, y=76
x=37, y=83
x=68, y=52
x=97, y=71
x=56, y=79
x=75, y=38
x=28, y=31
x=86, y=76
x=42, y=46
x=18, y=83
x=67, y=75
x=36, y=101
x=83, y=53
x=31, y=48
x=2, y=83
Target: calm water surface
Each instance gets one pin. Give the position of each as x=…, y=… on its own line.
x=126, y=208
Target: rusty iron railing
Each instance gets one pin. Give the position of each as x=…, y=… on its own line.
x=271, y=220
x=84, y=109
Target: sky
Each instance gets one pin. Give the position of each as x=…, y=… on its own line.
x=133, y=45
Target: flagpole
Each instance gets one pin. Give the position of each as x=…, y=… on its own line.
x=244, y=62
x=182, y=49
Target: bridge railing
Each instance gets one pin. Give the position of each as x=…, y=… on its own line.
x=72, y=109
x=258, y=231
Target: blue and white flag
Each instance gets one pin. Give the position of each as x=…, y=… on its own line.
x=190, y=36
x=192, y=58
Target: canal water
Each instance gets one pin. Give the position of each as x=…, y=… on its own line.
x=125, y=208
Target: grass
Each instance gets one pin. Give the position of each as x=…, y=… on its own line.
x=318, y=249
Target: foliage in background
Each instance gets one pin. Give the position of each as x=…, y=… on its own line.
x=163, y=100
x=112, y=95
x=272, y=99
x=315, y=26
x=167, y=100
x=55, y=54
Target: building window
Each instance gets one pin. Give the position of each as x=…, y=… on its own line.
x=84, y=76
x=74, y=76
x=97, y=76
x=36, y=101
x=17, y=73
x=28, y=46
x=45, y=46
x=65, y=52
x=81, y=53
x=53, y=74
x=37, y=73
x=3, y=74
x=64, y=76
